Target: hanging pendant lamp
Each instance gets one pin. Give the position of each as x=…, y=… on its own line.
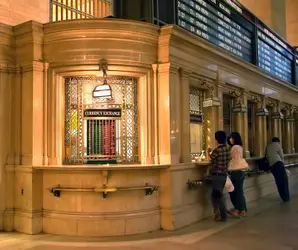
x=104, y=90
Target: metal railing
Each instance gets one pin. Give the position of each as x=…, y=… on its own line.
x=104, y=190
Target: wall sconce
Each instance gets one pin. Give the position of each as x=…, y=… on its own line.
x=104, y=90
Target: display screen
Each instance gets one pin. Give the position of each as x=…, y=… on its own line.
x=225, y=24
x=219, y=23
x=274, y=55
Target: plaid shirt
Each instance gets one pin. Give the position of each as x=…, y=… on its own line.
x=220, y=158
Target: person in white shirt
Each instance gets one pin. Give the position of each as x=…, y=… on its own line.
x=237, y=168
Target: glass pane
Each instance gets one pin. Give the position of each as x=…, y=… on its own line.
x=54, y=14
x=196, y=138
x=64, y=14
x=59, y=14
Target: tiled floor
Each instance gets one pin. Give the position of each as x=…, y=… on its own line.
x=270, y=225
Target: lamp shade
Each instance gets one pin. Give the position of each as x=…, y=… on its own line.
x=102, y=91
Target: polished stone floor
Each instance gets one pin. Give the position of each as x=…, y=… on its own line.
x=270, y=225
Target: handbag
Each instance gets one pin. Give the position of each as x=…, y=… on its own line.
x=229, y=185
x=263, y=164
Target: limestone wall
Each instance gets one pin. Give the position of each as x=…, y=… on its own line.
x=13, y=12
x=7, y=77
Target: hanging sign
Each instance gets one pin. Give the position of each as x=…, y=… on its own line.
x=103, y=113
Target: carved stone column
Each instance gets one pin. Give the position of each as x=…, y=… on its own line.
x=277, y=118
x=211, y=107
x=240, y=119
x=288, y=140
x=261, y=127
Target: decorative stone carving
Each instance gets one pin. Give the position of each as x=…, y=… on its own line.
x=262, y=110
x=212, y=100
x=239, y=107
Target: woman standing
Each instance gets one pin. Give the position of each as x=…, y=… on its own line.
x=237, y=167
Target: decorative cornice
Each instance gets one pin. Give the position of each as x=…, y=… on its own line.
x=8, y=69
x=167, y=68
x=34, y=66
x=25, y=169
x=10, y=168
x=185, y=73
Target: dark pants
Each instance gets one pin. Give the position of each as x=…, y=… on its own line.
x=281, y=179
x=237, y=196
x=218, y=183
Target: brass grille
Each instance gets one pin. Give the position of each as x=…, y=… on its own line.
x=124, y=91
x=79, y=9
x=195, y=101
x=73, y=121
x=196, y=97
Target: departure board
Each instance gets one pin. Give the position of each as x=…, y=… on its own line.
x=220, y=22
x=274, y=55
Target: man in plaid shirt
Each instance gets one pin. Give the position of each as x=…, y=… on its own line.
x=220, y=158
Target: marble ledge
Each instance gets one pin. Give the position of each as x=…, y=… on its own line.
x=203, y=163
x=250, y=159
x=100, y=167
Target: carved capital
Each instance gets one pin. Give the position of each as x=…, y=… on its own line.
x=239, y=106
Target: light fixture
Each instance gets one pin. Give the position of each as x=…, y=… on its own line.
x=104, y=90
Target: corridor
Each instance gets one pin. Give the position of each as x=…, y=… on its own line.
x=270, y=225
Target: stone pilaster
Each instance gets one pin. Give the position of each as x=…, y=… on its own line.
x=146, y=118
x=288, y=139
x=155, y=115
x=240, y=119
x=277, y=119
x=211, y=107
x=32, y=139
x=7, y=76
x=169, y=116
x=261, y=128
x=185, y=116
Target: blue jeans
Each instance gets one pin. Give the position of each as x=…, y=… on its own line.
x=217, y=197
x=281, y=180
x=237, y=196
